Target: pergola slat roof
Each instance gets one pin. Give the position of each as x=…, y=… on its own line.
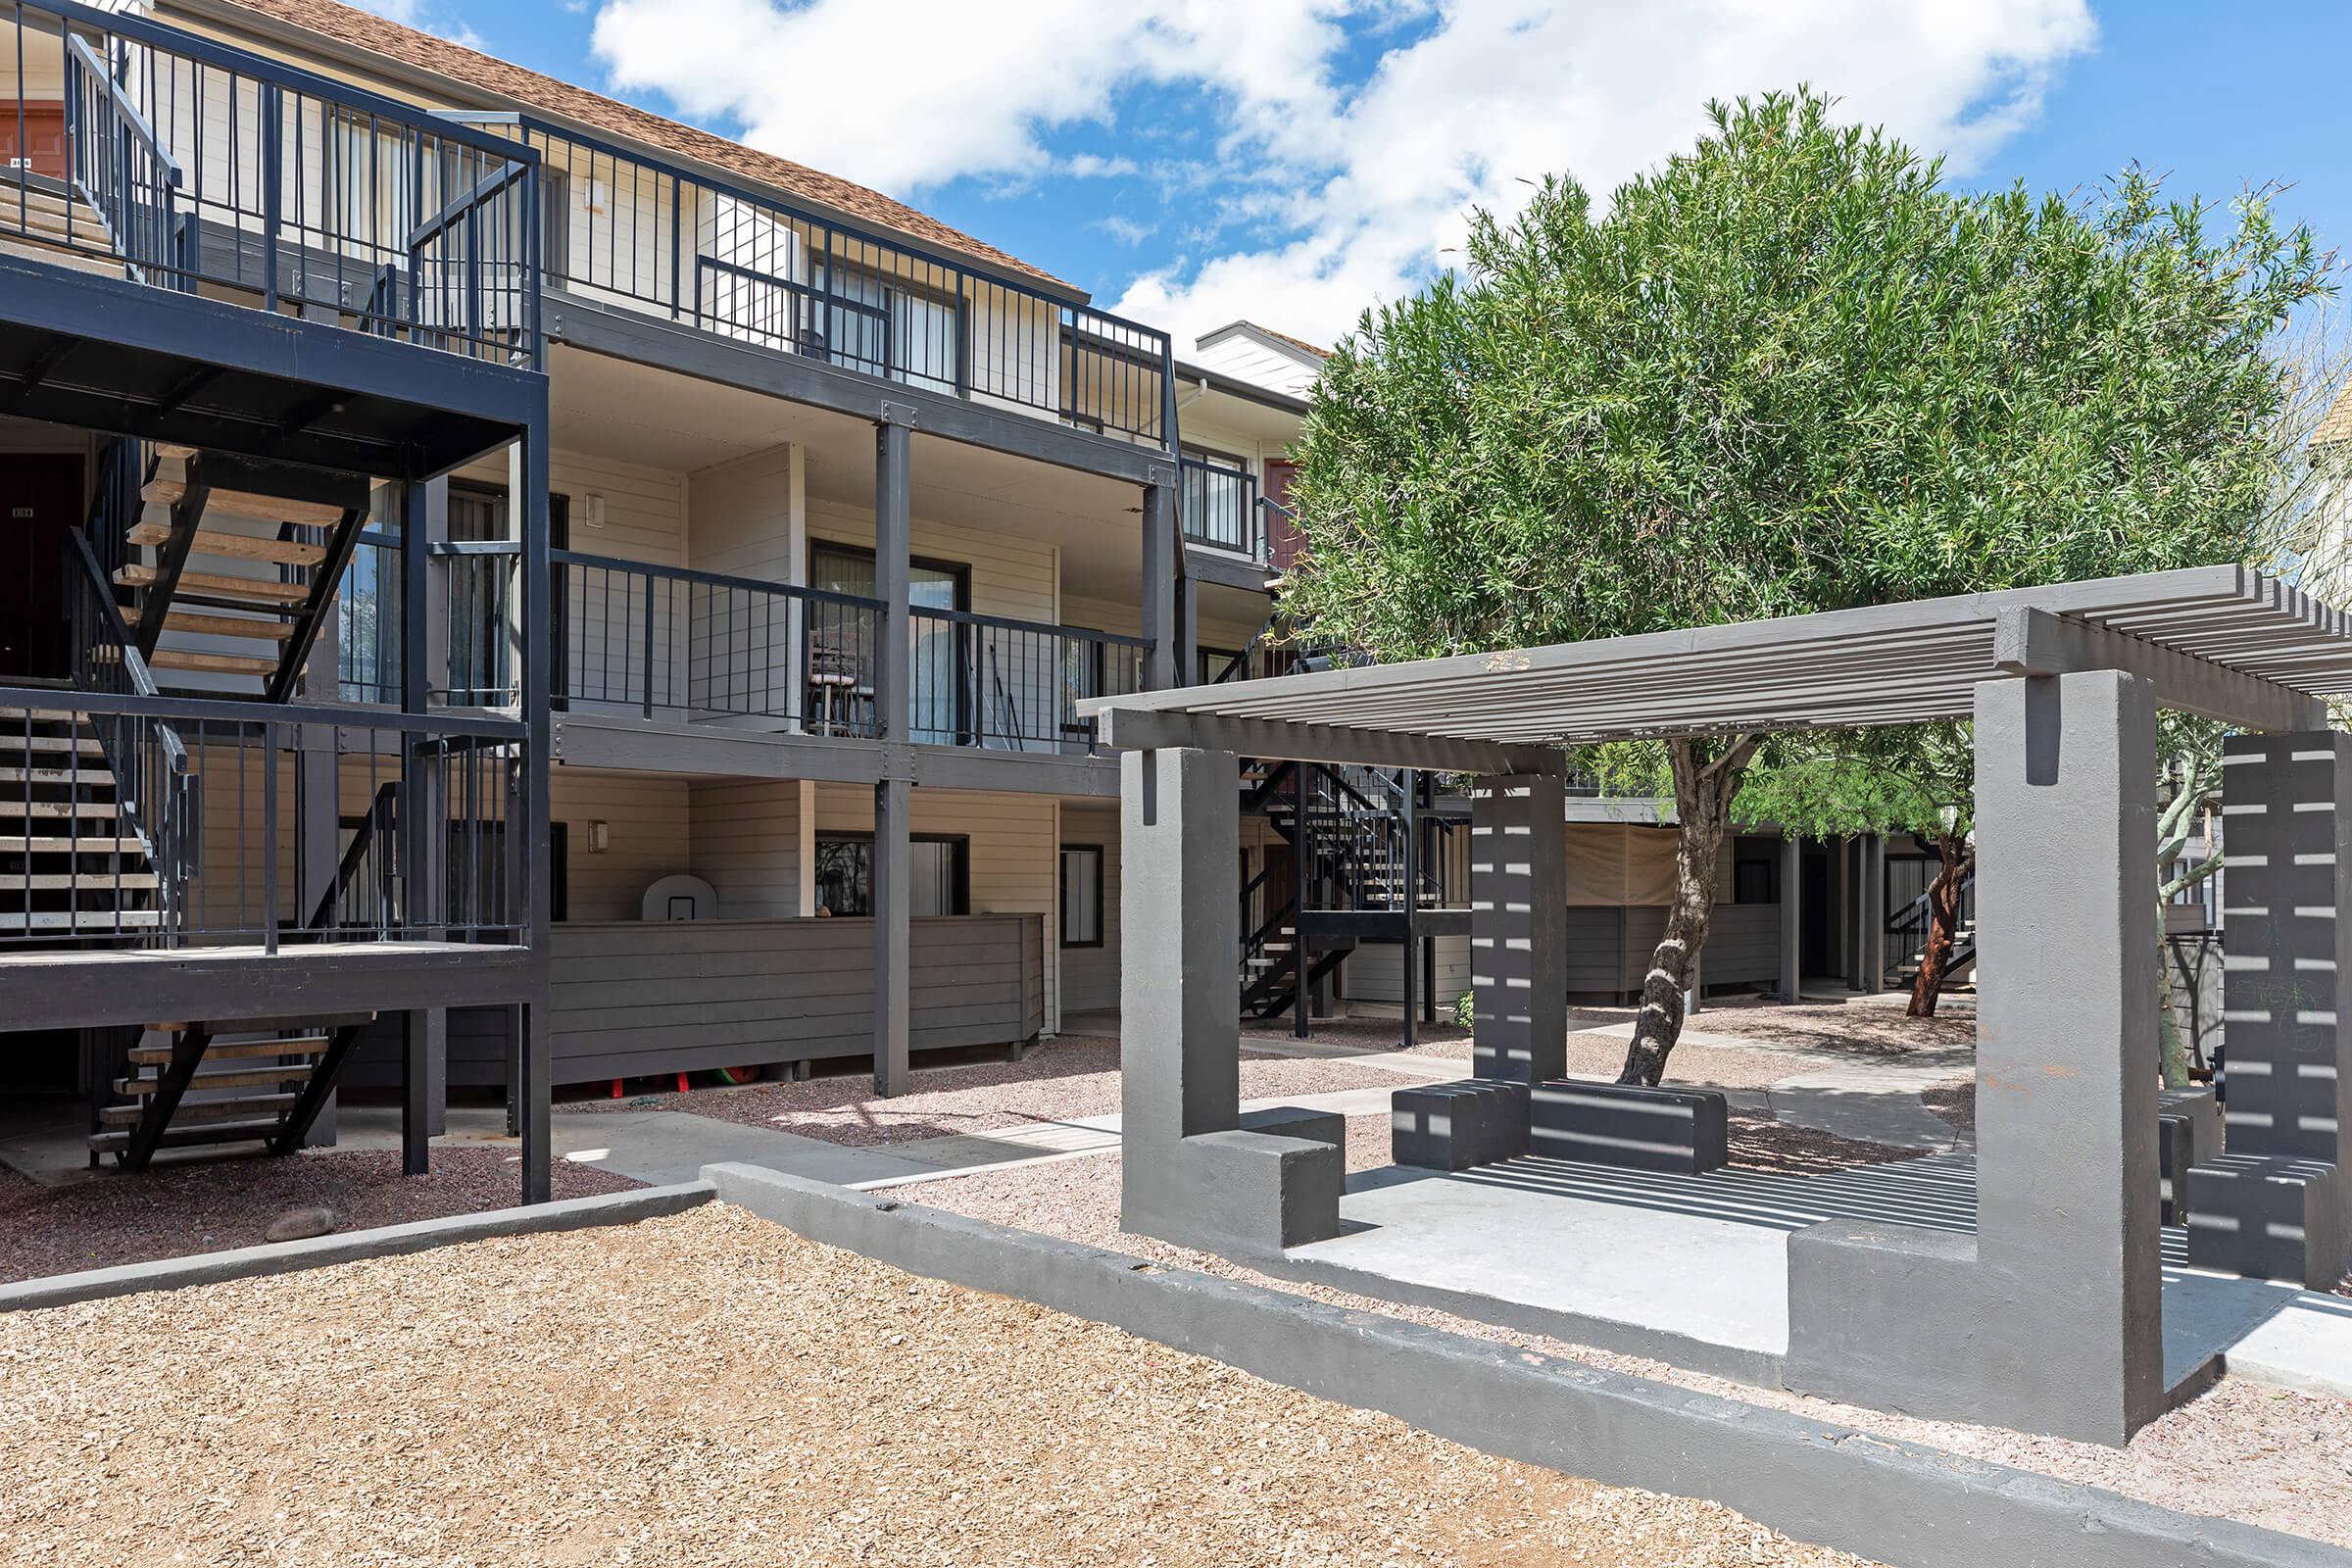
x=2223, y=641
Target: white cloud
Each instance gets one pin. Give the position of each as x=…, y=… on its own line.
x=1329, y=193
x=1126, y=230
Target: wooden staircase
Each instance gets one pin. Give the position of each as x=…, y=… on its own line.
x=232, y=1081
x=45, y=218
x=233, y=564
x=72, y=863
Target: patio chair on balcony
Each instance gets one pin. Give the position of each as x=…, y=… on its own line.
x=833, y=677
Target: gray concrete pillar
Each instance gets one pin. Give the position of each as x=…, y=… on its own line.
x=2276, y=1205
x=1853, y=853
x=894, y=891
x=2047, y=1319
x=1195, y=1170
x=1161, y=569
x=1793, y=934
x=1519, y=928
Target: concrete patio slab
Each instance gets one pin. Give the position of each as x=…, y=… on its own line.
x=1693, y=1270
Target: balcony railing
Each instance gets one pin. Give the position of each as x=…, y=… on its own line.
x=191, y=163
x=636, y=230
x=669, y=643
x=1219, y=506
x=182, y=833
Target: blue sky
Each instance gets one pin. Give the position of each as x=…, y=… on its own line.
x=1192, y=161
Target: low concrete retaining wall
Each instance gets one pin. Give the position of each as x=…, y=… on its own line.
x=1893, y=1501
x=349, y=1247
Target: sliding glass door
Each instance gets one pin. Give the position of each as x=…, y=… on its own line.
x=940, y=649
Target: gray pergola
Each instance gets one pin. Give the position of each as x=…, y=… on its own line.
x=2047, y=1317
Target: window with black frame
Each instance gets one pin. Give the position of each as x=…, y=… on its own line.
x=939, y=874
x=1082, y=895
x=1216, y=497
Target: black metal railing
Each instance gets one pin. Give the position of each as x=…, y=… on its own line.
x=111, y=809
x=191, y=163
x=666, y=642
x=1013, y=685
x=733, y=260
x=221, y=777
x=1908, y=926
x=1218, y=504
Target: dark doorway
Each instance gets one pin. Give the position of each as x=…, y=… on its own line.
x=1814, y=916
x=41, y=499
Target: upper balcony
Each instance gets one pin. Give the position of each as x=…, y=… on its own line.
x=167, y=159
x=631, y=231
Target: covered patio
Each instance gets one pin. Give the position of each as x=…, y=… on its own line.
x=2028, y=1293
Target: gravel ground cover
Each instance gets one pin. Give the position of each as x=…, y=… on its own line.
x=1955, y=1101
x=1599, y=1055
x=1076, y=1075
x=2262, y=1455
x=1364, y=1034
x=175, y=1210
x=709, y=1388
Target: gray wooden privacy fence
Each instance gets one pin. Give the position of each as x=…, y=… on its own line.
x=634, y=998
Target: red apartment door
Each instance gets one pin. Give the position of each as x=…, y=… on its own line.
x=1281, y=531
x=32, y=135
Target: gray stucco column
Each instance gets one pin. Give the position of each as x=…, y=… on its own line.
x=1519, y=928
x=1197, y=1171
x=1873, y=912
x=2047, y=1319
x=2276, y=1206
x=1792, y=945
x=1161, y=567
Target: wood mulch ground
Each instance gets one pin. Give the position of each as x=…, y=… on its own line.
x=709, y=1388
x=1071, y=1077
x=172, y=1210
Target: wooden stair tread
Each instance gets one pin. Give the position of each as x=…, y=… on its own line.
x=197, y=623
x=231, y=1050
x=221, y=1132
x=80, y=920
x=222, y=1078
x=53, y=844
x=257, y=589
x=91, y=881
x=58, y=775
x=199, y=1111
x=213, y=664
x=96, y=810
x=236, y=546
x=83, y=744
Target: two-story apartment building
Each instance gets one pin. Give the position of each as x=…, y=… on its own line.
x=752, y=641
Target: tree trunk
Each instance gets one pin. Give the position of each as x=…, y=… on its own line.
x=1702, y=806
x=1943, y=925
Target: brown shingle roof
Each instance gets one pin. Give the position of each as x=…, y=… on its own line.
x=1295, y=342
x=366, y=30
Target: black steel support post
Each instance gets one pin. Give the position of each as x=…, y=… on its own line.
x=319, y=834
x=893, y=706
x=422, y=810
x=1409, y=955
x=535, y=1026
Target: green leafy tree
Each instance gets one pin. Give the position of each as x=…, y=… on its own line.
x=1919, y=780
x=1786, y=372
